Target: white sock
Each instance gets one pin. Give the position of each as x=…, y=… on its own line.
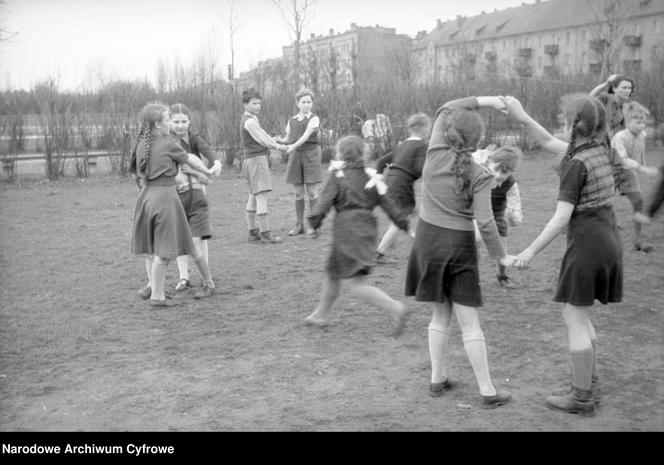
x=439, y=337
x=476, y=351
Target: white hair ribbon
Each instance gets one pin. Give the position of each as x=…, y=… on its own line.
x=375, y=181
x=337, y=166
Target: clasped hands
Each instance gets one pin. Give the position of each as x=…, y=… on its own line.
x=521, y=261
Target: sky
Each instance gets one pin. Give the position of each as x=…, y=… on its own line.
x=83, y=43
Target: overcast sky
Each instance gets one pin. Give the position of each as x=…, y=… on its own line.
x=76, y=41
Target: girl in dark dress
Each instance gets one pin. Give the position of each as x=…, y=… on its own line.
x=355, y=232
x=592, y=266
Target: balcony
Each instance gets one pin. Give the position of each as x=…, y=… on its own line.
x=471, y=58
x=551, y=49
x=524, y=71
x=632, y=66
x=525, y=52
x=632, y=41
x=550, y=71
x=598, y=44
x=595, y=68
x=490, y=55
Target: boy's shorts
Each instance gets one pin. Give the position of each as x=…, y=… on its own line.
x=256, y=172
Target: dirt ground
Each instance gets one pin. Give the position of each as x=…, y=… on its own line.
x=81, y=352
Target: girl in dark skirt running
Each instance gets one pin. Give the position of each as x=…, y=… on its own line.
x=355, y=232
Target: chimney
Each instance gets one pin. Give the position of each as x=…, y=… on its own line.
x=439, y=23
x=331, y=32
x=313, y=36
x=353, y=26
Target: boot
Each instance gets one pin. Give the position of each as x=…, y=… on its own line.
x=265, y=236
x=254, y=235
x=594, y=388
x=578, y=401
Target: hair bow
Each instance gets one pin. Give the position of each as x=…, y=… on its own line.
x=375, y=181
x=337, y=166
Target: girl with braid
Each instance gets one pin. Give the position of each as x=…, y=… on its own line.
x=160, y=228
x=443, y=265
x=591, y=268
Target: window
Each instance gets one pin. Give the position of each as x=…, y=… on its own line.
x=539, y=63
x=583, y=36
x=567, y=37
x=655, y=27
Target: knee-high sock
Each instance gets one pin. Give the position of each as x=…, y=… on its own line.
x=475, y=347
x=388, y=238
x=203, y=268
x=263, y=222
x=439, y=337
x=299, y=210
x=582, y=368
x=312, y=205
x=251, y=219
x=183, y=266
x=148, y=269
x=594, y=344
x=158, y=278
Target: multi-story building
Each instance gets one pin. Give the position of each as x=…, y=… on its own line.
x=361, y=56
x=544, y=38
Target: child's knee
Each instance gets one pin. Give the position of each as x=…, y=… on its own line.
x=161, y=261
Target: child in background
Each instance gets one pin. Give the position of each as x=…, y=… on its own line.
x=304, y=161
x=505, y=197
x=255, y=168
x=629, y=145
x=405, y=163
x=191, y=189
x=160, y=228
x=614, y=93
x=442, y=267
x=591, y=268
x=354, y=232
x=655, y=203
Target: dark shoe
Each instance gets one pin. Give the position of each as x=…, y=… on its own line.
x=381, y=259
x=438, y=389
x=645, y=248
x=298, y=229
x=578, y=401
x=205, y=291
x=267, y=237
x=182, y=285
x=145, y=293
x=594, y=388
x=505, y=282
x=254, y=235
x=163, y=303
x=501, y=398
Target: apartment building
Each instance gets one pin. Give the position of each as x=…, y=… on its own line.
x=360, y=56
x=543, y=39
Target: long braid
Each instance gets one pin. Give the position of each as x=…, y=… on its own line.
x=461, y=170
x=132, y=153
x=147, y=137
x=572, y=142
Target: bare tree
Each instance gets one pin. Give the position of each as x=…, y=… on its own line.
x=6, y=35
x=295, y=14
x=612, y=23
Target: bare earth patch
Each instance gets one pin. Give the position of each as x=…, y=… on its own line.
x=81, y=352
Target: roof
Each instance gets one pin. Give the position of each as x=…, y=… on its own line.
x=532, y=18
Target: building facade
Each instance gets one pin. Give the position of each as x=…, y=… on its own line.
x=543, y=39
x=361, y=56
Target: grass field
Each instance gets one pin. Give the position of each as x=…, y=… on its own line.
x=81, y=352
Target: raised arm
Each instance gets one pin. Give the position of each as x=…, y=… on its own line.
x=543, y=137
x=603, y=87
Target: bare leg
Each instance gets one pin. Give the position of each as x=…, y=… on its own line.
x=328, y=295
x=397, y=310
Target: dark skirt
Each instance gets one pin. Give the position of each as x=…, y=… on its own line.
x=353, y=244
x=592, y=267
x=304, y=166
x=195, y=204
x=443, y=266
x=160, y=224
x=401, y=192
